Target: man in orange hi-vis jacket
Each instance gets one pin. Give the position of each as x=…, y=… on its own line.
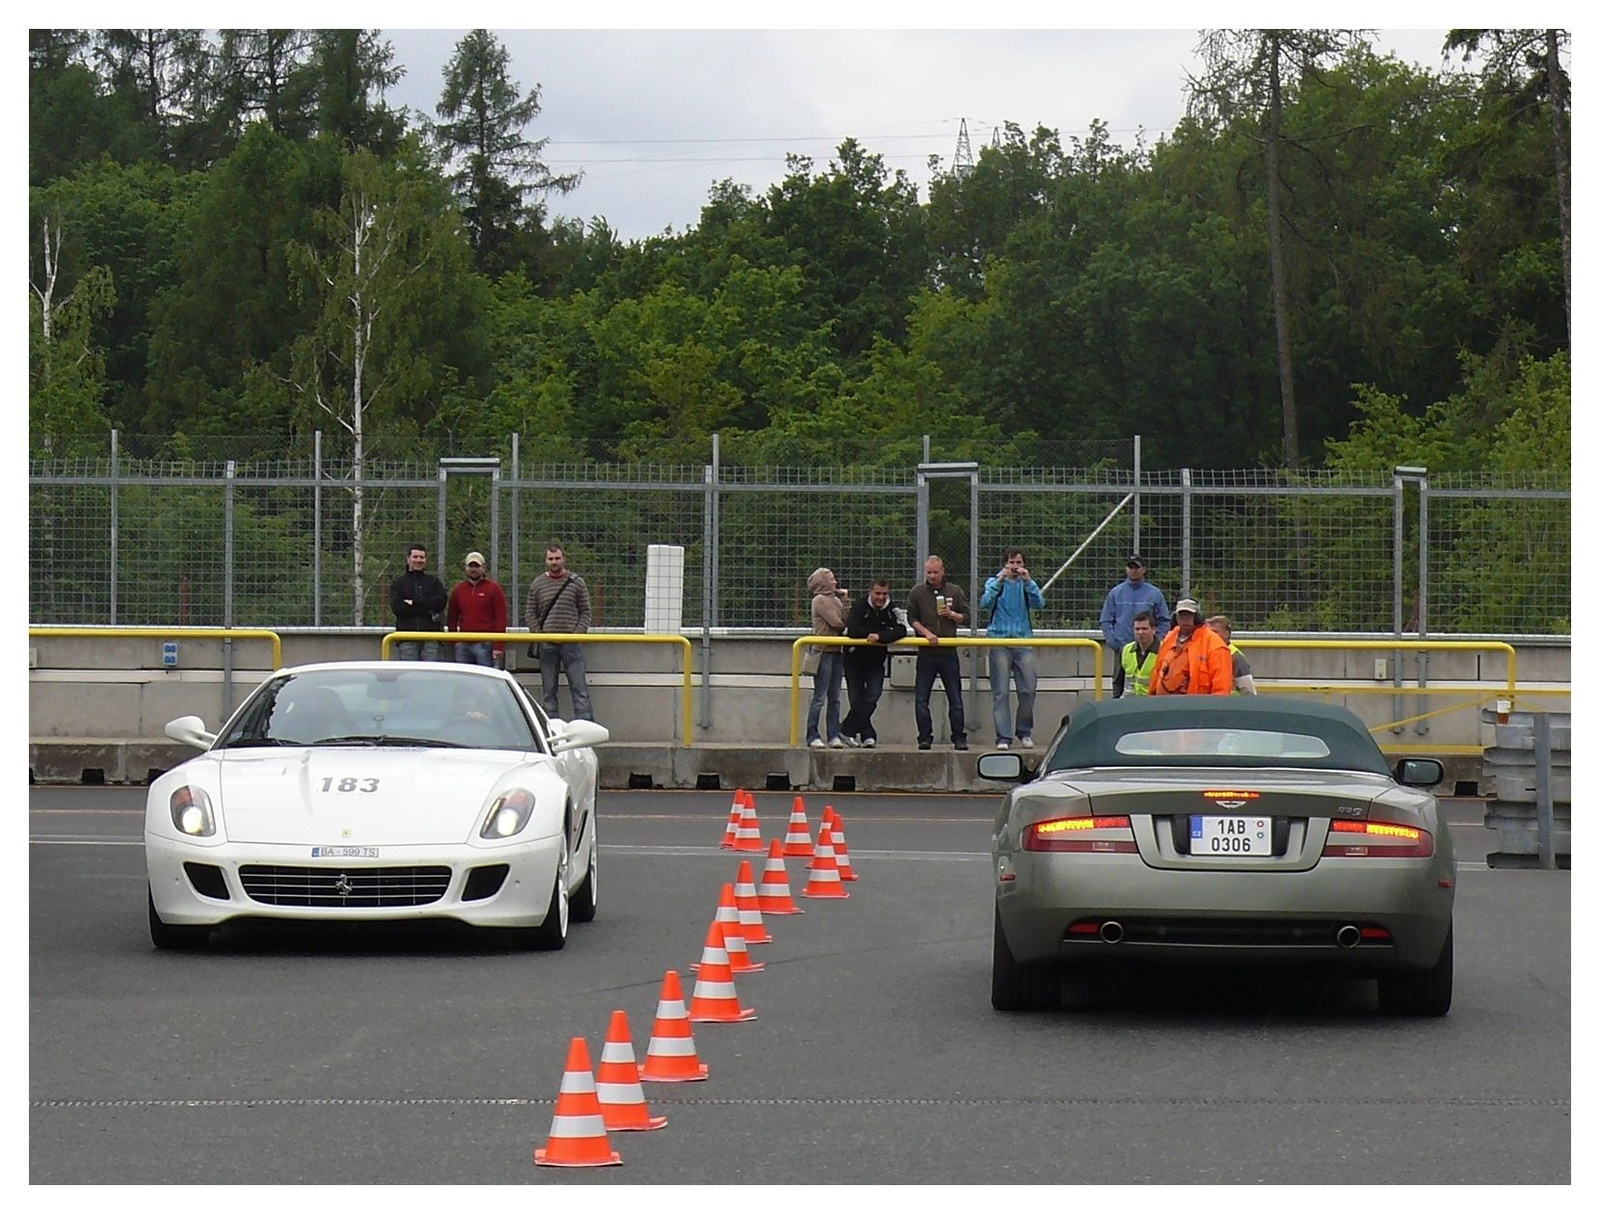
x=1193, y=659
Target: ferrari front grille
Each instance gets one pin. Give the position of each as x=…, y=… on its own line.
x=354, y=888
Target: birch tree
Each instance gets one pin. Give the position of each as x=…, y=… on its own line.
x=65, y=368
x=374, y=272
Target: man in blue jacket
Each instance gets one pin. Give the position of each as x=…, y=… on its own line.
x=1008, y=597
x=1127, y=599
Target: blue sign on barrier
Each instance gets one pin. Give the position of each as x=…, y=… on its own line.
x=169, y=653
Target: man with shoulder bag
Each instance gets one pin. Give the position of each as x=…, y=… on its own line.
x=558, y=601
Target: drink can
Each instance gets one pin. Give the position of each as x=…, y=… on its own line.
x=938, y=603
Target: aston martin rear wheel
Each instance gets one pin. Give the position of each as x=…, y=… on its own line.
x=586, y=901
x=1015, y=987
x=167, y=935
x=1421, y=992
x=552, y=933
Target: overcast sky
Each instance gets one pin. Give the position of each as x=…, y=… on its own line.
x=653, y=117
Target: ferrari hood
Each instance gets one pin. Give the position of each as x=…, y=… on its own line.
x=361, y=796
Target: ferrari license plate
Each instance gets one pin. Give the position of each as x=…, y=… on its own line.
x=1230, y=836
x=344, y=853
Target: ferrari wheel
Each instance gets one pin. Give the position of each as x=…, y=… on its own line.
x=586, y=901
x=1424, y=992
x=1015, y=987
x=166, y=935
x=552, y=933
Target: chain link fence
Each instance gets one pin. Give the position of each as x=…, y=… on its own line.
x=257, y=533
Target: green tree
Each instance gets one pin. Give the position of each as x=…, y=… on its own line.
x=1524, y=69
x=483, y=115
x=348, y=73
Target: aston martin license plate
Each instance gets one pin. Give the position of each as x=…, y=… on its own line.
x=344, y=853
x=1230, y=836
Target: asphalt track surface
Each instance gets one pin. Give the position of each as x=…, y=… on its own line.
x=434, y=1055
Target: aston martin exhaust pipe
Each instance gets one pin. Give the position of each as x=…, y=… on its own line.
x=1111, y=931
x=1348, y=936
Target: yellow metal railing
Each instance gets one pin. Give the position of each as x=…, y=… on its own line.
x=1473, y=698
x=171, y=634
x=572, y=638
x=945, y=643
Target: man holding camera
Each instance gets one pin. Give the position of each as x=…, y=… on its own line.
x=1009, y=596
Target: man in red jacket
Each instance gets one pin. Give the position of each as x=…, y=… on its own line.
x=478, y=605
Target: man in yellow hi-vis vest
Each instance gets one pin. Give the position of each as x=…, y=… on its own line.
x=1138, y=659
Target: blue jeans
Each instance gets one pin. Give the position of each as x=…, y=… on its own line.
x=475, y=653
x=416, y=651
x=945, y=665
x=553, y=659
x=866, y=689
x=825, y=687
x=1005, y=664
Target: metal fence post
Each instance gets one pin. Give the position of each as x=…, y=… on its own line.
x=1421, y=727
x=227, y=588
x=113, y=527
x=316, y=529
x=1186, y=544
x=1137, y=468
x=710, y=538
x=516, y=544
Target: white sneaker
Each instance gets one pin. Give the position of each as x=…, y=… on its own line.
x=1002, y=744
x=1025, y=741
x=816, y=743
x=852, y=740
x=836, y=743
x=870, y=743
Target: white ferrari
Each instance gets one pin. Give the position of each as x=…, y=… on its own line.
x=367, y=791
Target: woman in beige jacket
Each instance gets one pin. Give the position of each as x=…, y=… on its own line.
x=830, y=606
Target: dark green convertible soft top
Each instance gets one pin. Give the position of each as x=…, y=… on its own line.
x=1095, y=729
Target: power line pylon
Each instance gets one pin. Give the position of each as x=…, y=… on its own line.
x=963, y=164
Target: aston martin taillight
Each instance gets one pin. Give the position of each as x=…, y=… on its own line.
x=1376, y=840
x=1086, y=834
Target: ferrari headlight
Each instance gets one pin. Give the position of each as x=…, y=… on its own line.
x=191, y=811
x=509, y=814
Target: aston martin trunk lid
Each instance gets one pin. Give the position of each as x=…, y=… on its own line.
x=358, y=796
x=1232, y=817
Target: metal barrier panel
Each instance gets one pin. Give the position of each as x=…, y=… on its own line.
x=776, y=525
x=1529, y=533
x=605, y=519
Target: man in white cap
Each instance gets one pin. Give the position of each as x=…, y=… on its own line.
x=1193, y=660
x=477, y=604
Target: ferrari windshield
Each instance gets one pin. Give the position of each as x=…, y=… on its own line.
x=395, y=705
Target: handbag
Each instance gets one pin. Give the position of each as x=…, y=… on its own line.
x=533, y=646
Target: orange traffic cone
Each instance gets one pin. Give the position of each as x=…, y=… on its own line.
x=671, y=1057
x=733, y=936
x=824, y=871
x=578, y=1130
x=749, y=902
x=731, y=834
x=716, y=1000
x=841, y=849
x=774, y=891
x=617, y=1083
x=798, y=841
x=748, y=836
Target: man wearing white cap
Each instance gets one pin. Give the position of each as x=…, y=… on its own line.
x=1193, y=660
x=477, y=604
